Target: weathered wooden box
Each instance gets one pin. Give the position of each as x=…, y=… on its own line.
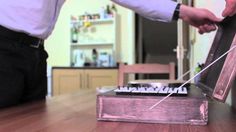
x=193, y=109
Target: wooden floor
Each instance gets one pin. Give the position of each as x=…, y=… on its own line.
x=77, y=113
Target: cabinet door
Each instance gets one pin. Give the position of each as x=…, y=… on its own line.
x=66, y=80
x=100, y=77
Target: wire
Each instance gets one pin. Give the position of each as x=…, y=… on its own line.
x=153, y=106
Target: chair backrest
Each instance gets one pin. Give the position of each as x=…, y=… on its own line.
x=146, y=69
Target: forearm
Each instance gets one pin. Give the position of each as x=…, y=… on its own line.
x=185, y=12
x=159, y=10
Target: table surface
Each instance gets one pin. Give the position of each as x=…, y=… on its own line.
x=77, y=113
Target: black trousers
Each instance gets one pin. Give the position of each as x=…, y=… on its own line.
x=23, y=75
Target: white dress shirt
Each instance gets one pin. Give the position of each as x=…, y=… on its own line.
x=157, y=10
x=34, y=17
x=38, y=17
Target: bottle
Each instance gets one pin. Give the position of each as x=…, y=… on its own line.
x=197, y=70
x=108, y=12
x=102, y=13
x=94, y=57
x=74, y=33
x=113, y=9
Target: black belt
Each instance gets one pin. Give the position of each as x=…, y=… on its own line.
x=21, y=37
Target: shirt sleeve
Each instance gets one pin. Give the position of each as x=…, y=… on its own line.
x=157, y=10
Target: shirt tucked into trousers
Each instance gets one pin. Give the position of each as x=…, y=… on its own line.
x=22, y=72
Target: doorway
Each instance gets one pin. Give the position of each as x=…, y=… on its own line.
x=159, y=42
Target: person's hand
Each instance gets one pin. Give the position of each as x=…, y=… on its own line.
x=202, y=19
x=230, y=8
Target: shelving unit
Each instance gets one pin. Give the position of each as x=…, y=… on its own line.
x=99, y=20
x=92, y=43
x=101, y=35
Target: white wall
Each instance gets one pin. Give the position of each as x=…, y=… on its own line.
x=203, y=42
x=58, y=44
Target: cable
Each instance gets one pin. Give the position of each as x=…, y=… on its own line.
x=153, y=106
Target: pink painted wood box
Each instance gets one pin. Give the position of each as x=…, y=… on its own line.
x=192, y=109
x=215, y=83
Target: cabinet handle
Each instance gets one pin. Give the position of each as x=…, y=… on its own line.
x=80, y=76
x=88, y=81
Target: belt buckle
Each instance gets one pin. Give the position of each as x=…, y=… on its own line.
x=37, y=44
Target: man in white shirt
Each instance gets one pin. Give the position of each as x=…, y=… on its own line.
x=24, y=25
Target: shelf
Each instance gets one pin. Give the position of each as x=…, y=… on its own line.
x=95, y=21
x=102, y=36
x=92, y=43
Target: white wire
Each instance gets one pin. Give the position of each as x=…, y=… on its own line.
x=193, y=77
x=186, y=73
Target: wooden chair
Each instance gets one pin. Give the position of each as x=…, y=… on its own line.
x=146, y=69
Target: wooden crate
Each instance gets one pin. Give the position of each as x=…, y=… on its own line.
x=215, y=82
x=192, y=109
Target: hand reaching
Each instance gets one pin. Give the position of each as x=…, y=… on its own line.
x=230, y=8
x=203, y=19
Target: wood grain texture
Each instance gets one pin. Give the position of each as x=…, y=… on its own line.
x=79, y=78
x=77, y=113
x=191, y=109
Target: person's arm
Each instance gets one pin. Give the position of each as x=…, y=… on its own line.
x=163, y=10
x=202, y=19
x=157, y=10
x=230, y=8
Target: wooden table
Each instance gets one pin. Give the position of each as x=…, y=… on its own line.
x=77, y=113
